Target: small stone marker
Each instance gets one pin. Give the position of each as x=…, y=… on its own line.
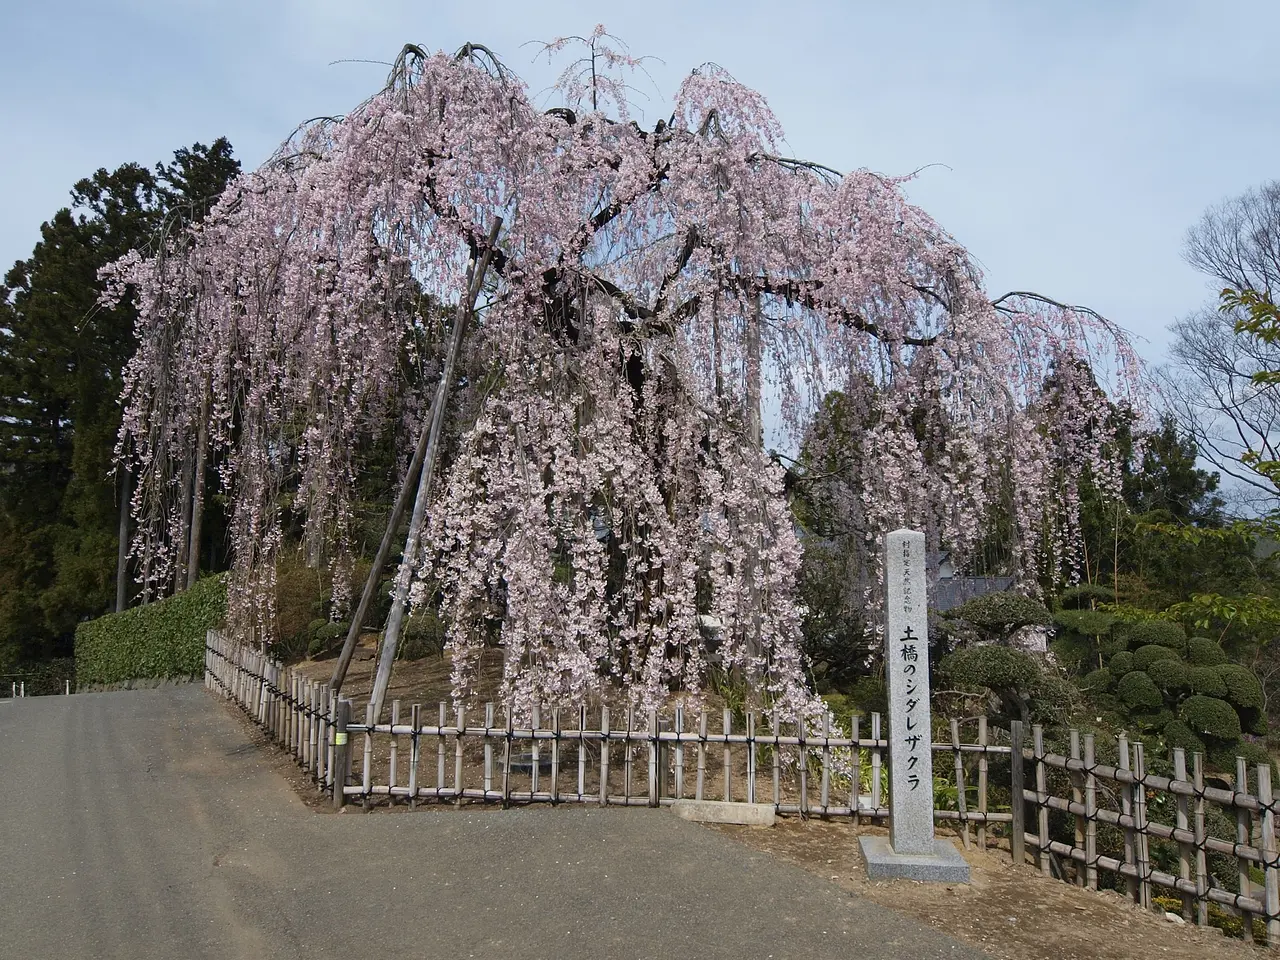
x=911, y=850
x=720, y=811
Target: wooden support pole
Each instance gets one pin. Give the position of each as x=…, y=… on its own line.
x=404, y=576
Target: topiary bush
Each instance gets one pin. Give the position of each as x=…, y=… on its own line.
x=1178, y=734
x=1161, y=633
x=1097, y=681
x=1137, y=692
x=991, y=666
x=1016, y=677
x=1081, y=596
x=1121, y=663
x=1093, y=623
x=1252, y=753
x=1169, y=675
x=424, y=636
x=1211, y=718
x=161, y=640
x=328, y=640
x=1206, y=681
x=1204, y=652
x=1000, y=614
x=1144, y=657
x=1243, y=688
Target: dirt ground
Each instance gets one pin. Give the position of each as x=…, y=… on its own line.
x=1010, y=913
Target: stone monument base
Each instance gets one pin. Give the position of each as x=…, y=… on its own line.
x=945, y=865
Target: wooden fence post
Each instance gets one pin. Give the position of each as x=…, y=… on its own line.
x=1186, y=850
x=1017, y=801
x=1127, y=811
x=1270, y=877
x=1077, y=796
x=341, y=754
x=1042, y=796
x=1244, y=833
x=1091, y=814
x=1141, y=841
x=982, y=783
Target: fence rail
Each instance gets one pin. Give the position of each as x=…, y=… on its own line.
x=1081, y=819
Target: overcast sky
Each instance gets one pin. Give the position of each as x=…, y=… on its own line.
x=1073, y=143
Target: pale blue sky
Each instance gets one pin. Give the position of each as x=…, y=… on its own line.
x=1079, y=140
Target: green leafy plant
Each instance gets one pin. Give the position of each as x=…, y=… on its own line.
x=164, y=639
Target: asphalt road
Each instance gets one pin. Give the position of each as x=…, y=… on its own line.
x=145, y=824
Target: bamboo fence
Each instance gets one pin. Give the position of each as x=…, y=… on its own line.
x=1088, y=823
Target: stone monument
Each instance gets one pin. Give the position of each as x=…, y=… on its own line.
x=911, y=851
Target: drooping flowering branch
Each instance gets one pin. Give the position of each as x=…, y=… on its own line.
x=652, y=292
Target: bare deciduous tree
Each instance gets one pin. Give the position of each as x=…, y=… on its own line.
x=1208, y=384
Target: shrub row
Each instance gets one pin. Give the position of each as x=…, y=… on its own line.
x=161, y=640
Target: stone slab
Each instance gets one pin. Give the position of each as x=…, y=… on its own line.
x=946, y=865
x=719, y=811
x=907, y=672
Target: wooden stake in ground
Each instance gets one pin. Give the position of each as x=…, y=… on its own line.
x=396, y=618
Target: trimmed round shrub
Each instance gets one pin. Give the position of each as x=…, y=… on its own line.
x=424, y=636
x=1109, y=645
x=991, y=666
x=1091, y=623
x=1098, y=681
x=1161, y=633
x=1144, y=657
x=1178, y=734
x=1002, y=611
x=1224, y=758
x=1137, y=691
x=1243, y=688
x=1071, y=649
x=1169, y=675
x=1206, y=681
x=1121, y=663
x=1211, y=717
x=1253, y=753
x=1204, y=652
x=328, y=638
x=1154, y=722
x=1080, y=596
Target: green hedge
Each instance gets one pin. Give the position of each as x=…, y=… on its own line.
x=164, y=639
